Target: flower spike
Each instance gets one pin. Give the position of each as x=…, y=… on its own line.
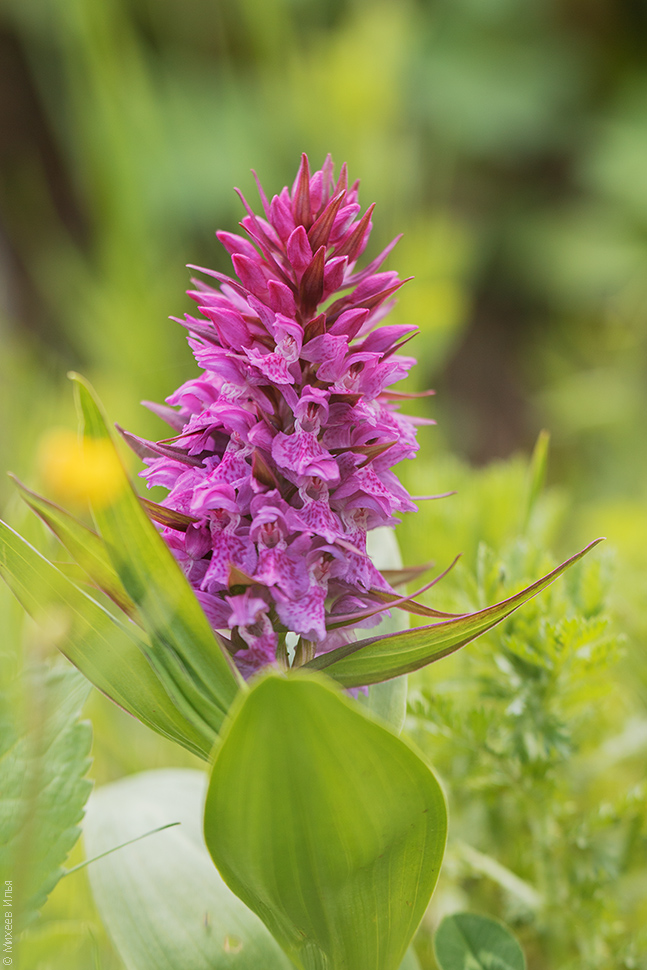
x=283, y=445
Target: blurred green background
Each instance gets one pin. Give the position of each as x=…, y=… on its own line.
x=507, y=140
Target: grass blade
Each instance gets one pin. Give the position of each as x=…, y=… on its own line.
x=84, y=545
x=111, y=657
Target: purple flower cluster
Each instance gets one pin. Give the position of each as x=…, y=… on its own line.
x=281, y=461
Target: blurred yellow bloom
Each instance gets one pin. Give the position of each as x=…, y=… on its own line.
x=79, y=470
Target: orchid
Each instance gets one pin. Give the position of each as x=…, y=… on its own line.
x=319, y=818
x=285, y=443
x=280, y=465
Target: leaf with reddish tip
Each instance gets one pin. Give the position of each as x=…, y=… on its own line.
x=319, y=233
x=301, y=209
x=168, y=517
x=398, y=577
x=257, y=233
x=170, y=415
x=388, y=601
x=262, y=471
x=210, y=334
x=410, y=605
x=349, y=397
x=342, y=181
x=370, y=303
x=372, y=451
x=369, y=451
x=220, y=277
x=312, y=281
x=431, y=498
x=396, y=347
x=314, y=328
x=263, y=197
x=375, y=264
x=351, y=244
x=157, y=449
x=237, y=577
x=401, y=396
x=376, y=659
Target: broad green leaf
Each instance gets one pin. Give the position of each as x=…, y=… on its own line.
x=380, y=658
x=325, y=823
x=389, y=699
x=57, y=945
x=161, y=899
x=82, y=543
x=111, y=655
x=467, y=941
x=44, y=756
x=180, y=633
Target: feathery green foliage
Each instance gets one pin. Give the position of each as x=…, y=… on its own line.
x=44, y=758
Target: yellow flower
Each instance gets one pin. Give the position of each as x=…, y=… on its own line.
x=79, y=470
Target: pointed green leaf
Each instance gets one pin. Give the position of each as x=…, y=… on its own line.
x=536, y=477
x=110, y=655
x=468, y=941
x=161, y=899
x=44, y=757
x=167, y=605
x=82, y=543
x=170, y=517
x=326, y=824
x=380, y=658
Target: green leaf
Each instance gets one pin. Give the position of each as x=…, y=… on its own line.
x=467, y=941
x=380, y=658
x=57, y=945
x=110, y=655
x=82, y=543
x=161, y=899
x=326, y=824
x=388, y=700
x=182, y=638
x=536, y=477
x=44, y=756
x=410, y=961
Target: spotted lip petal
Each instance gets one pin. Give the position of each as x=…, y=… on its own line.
x=284, y=443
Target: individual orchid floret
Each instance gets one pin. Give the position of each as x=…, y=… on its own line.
x=283, y=446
